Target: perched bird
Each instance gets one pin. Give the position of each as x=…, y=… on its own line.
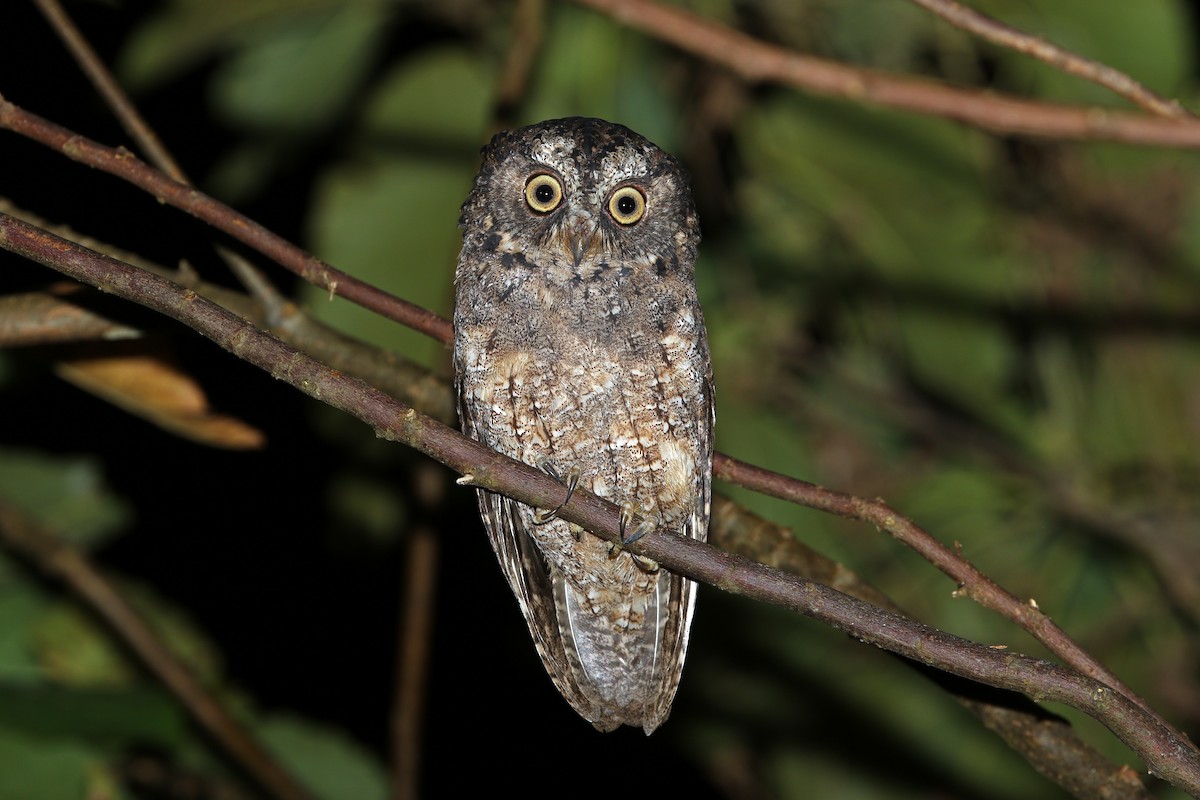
x=580, y=349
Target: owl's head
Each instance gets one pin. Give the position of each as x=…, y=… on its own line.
x=584, y=195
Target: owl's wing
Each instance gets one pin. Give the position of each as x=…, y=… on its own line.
x=534, y=585
x=677, y=595
x=529, y=577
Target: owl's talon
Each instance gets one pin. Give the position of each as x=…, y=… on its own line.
x=646, y=565
x=644, y=524
x=614, y=549
x=543, y=515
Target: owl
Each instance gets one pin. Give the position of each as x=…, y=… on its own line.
x=580, y=349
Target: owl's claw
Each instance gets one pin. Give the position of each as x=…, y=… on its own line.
x=646, y=565
x=544, y=515
x=644, y=524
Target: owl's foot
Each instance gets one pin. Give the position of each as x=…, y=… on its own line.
x=544, y=515
x=644, y=524
x=647, y=565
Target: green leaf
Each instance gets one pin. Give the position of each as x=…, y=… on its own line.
x=36, y=768
x=63, y=493
x=441, y=96
x=300, y=72
x=21, y=603
x=107, y=717
x=329, y=763
x=76, y=650
x=390, y=222
x=592, y=67
x=185, y=31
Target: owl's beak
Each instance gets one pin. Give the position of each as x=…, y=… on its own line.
x=580, y=235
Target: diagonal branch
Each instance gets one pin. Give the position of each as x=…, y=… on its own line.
x=761, y=62
x=63, y=562
x=1047, y=742
x=972, y=582
x=113, y=94
x=1167, y=754
x=122, y=163
x=996, y=32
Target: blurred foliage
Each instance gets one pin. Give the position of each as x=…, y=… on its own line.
x=998, y=336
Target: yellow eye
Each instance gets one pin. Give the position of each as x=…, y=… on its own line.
x=543, y=193
x=627, y=205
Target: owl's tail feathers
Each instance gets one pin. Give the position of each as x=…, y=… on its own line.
x=614, y=648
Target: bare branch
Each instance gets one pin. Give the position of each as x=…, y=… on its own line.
x=971, y=581
x=1047, y=742
x=1167, y=754
x=985, y=27
x=125, y=165
x=63, y=562
x=758, y=61
x=113, y=94
x=412, y=660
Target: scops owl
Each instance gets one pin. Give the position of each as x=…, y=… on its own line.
x=580, y=349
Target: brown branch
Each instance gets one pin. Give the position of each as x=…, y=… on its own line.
x=761, y=62
x=1047, y=742
x=996, y=32
x=524, y=42
x=972, y=582
x=412, y=661
x=125, y=165
x=63, y=562
x=112, y=92
x=1166, y=753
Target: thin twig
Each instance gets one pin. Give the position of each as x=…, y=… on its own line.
x=412, y=661
x=62, y=561
x=1167, y=754
x=523, y=45
x=972, y=582
x=1046, y=741
x=985, y=27
x=108, y=87
x=122, y=163
x=757, y=61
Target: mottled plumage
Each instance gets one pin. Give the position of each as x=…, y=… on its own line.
x=580, y=347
